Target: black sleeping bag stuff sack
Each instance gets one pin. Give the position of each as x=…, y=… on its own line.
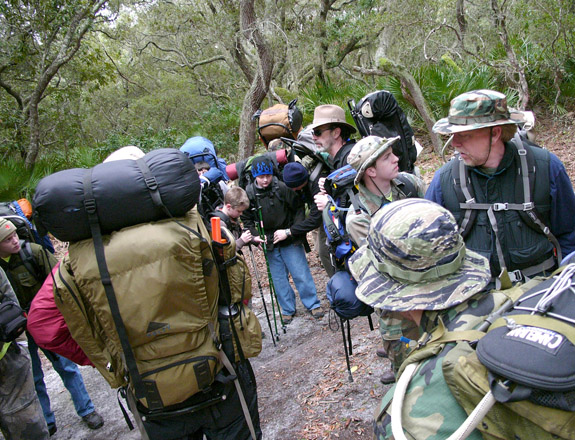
x=125, y=193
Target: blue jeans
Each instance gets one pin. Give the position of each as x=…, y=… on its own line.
x=70, y=375
x=291, y=259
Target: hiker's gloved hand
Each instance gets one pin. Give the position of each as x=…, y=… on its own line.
x=320, y=201
x=280, y=235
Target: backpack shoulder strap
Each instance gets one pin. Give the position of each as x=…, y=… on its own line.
x=464, y=193
x=29, y=261
x=406, y=185
x=524, y=188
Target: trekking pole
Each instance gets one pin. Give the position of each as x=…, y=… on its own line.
x=261, y=293
x=260, y=227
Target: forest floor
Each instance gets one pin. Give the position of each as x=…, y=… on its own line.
x=303, y=386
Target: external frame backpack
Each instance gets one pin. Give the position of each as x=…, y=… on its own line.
x=379, y=114
x=341, y=189
x=168, y=334
x=278, y=121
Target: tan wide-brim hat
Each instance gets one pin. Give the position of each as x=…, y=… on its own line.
x=329, y=114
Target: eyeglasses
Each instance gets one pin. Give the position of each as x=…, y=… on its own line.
x=317, y=132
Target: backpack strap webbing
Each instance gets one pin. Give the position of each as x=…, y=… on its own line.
x=29, y=261
x=143, y=389
x=316, y=171
x=463, y=192
x=226, y=362
x=462, y=432
x=529, y=214
x=406, y=186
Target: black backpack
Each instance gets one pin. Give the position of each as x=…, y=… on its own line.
x=379, y=114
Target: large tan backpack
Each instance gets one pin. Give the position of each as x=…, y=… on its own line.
x=166, y=285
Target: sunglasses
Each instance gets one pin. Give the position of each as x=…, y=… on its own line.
x=317, y=132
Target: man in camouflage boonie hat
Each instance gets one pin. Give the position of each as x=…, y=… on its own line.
x=366, y=151
x=416, y=259
x=379, y=182
x=479, y=109
x=513, y=201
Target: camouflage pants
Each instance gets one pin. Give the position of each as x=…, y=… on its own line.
x=20, y=411
x=392, y=326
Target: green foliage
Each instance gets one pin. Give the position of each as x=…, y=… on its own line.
x=17, y=182
x=337, y=93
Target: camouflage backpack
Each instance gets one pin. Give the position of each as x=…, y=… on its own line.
x=444, y=381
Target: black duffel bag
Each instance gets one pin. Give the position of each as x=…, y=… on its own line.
x=163, y=183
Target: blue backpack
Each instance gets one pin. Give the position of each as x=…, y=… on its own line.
x=339, y=185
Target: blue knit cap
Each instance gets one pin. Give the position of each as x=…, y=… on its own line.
x=262, y=165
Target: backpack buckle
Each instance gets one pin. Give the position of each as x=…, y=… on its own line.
x=500, y=206
x=151, y=183
x=515, y=276
x=528, y=206
x=90, y=206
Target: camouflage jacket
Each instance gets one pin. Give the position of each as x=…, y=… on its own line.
x=357, y=224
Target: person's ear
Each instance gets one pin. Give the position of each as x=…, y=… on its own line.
x=496, y=133
x=371, y=171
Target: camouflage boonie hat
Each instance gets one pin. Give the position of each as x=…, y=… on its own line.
x=415, y=259
x=478, y=109
x=366, y=151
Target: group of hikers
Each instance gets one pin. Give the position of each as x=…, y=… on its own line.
x=439, y=266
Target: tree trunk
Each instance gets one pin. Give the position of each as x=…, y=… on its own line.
x=518, y=72
x=387, y=67
x=261, y=80
x=34, y=127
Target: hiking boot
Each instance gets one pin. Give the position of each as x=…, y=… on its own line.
x=287, y=319
x=381, y=352
x=387, y=377
x=52, y=430
x=93, y=420
x=317, y=313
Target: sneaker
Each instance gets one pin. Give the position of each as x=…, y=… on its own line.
x=317, y=313
x=93, y=420
x=287, y=319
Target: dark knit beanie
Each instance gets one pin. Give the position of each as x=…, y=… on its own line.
x=295, y=174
